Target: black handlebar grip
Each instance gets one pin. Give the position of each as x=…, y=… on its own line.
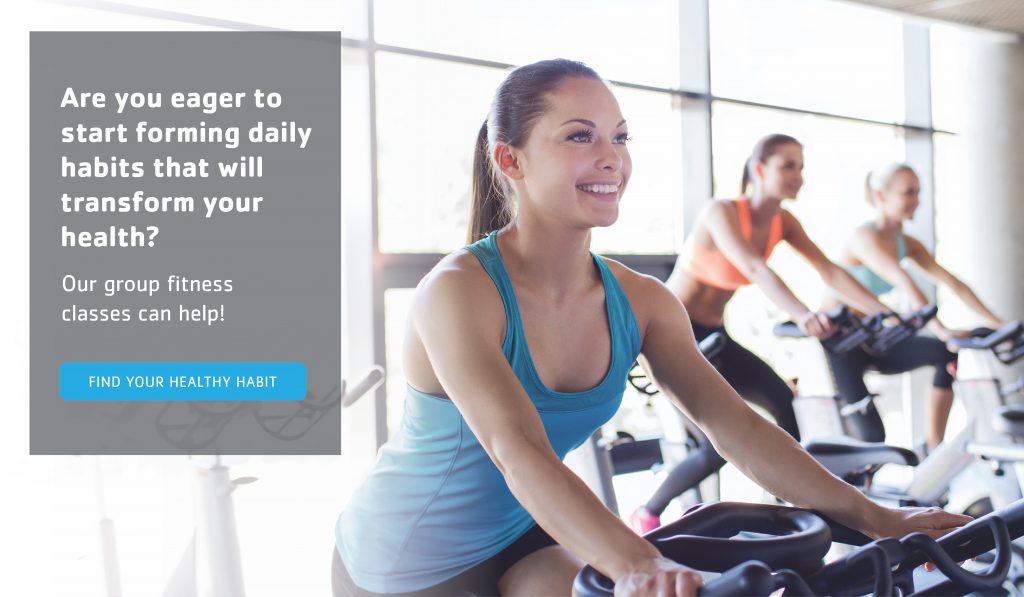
x=986, y=338
x=752, y=578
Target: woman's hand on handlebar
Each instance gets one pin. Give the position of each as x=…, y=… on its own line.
x=900, y=522
x=934, y=522
x=815, y=323
x=661, y=577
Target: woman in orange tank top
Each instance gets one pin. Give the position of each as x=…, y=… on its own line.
x=728, y=248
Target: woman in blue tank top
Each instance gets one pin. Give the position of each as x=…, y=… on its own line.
x=517, y=350
x=876, y=255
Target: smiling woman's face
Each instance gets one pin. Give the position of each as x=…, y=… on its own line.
x=574, y=164
x=900, y=198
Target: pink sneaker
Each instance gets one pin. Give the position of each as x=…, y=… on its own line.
x=643, y=522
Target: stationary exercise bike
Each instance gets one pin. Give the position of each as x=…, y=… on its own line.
x=789, y=545
x=935, y=473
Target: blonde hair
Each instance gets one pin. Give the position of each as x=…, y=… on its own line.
x=881, y=178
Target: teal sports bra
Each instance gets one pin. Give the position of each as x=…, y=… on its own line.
x=870, y=279
x=434, y=504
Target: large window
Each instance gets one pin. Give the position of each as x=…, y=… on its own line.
x=819, y=55
x=635, y=41
x=952, y=196
x=651, y=208
x=947, y=86
x=348, y=16
x=428, y=115
x=952, y=209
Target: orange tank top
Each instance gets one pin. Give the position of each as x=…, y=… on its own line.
x=711, y=267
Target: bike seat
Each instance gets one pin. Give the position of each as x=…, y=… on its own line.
x=844, y=457
x=1009, y=420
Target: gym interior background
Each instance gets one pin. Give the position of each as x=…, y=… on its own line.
x=699, y=81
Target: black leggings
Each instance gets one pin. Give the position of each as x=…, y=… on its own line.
x=848, y=371
x=480, y=580
x=756, y=382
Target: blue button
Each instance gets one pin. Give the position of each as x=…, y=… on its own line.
x=182, y=381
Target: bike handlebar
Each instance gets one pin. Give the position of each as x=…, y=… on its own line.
x=887, y=337
x=869, y=333
x=1006, y=343
x=975, y=538
x=700, y=539
x=751, y=578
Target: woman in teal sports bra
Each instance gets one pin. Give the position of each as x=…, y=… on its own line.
x=876, y=255
x=517, y=349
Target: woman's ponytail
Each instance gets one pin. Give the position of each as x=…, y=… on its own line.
x=490, y=208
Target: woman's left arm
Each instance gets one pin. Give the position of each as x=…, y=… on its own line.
x=925, y=261
x=835, y=277
x=760, y=449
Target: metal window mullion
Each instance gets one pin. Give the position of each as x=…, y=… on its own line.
x=918, y=136
x=695, y=72
x=919, y=147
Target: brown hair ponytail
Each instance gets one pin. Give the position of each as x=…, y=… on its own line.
x=490, y=208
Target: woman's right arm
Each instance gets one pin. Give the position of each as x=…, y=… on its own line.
x=920, y=255
x=724, y=228
x=464, y=348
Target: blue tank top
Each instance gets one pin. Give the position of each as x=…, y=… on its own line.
x=870, y=279
x=434, y=504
